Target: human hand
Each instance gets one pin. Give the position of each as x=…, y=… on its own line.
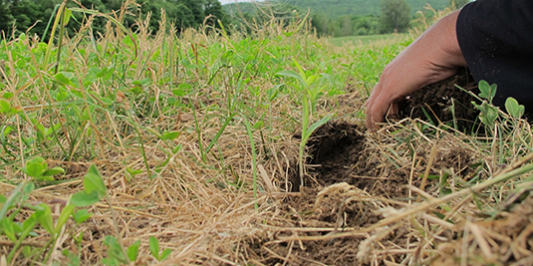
x=433, y=57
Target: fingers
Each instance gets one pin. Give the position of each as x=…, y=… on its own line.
x=379, y=104
x=370, y=122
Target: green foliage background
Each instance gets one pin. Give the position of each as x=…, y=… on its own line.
x=337, y=8
x=338, y=18
x=26, y=14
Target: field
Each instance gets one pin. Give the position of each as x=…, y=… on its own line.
x=366, y=39
x=143, y=148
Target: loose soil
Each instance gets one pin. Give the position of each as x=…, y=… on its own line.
x=443, y=101
x=339, y=171
x=347, y=185
x=350, y=185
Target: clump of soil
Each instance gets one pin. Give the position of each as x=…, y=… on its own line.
x=442, y=101
x=348, y=183
x=342, y=179
x=338, y=154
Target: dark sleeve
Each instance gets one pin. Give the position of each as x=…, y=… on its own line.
x=496, y=39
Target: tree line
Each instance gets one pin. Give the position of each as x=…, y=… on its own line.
x=17, y=16
x=394, y=16
x=22, y=15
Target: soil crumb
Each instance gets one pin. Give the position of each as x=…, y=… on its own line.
x=442, y=101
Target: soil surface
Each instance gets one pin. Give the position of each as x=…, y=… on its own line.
x=344, y=175
x=340, y=171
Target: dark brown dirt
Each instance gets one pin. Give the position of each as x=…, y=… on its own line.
x=443, y=100
x=339, y=153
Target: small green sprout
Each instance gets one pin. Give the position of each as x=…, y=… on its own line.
x=514, y=109
x=310, y=91
x=37, y=168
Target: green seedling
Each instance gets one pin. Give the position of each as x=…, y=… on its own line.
x=311, y=88
x=132, y=173
x=6, y=108
x=488, y=112
x=133, y=250
x=94, y=189
x=37, y=168
x=514, y=109
x=81, y=216
x=154, y=249
x=115, y=254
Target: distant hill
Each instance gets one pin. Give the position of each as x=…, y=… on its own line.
x=337, y=8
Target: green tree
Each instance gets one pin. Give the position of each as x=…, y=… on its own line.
x=214, y=8
x=395, y=15
x=346, y=26
x=6, y=19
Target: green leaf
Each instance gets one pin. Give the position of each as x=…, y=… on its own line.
x=8, y=229
x=63, y=217
x=105, y=73
x=132, y=173
x=292, y=74
x=28, y=225
x=81, y=216
x=67, y=16
x=94, y=170
x=182, y=90
x=258, y=125
x=133, y=251
x=84, y=199
x=35, y=167
x=44, y=216
x=28, y=188
x=8, y=95
x=513, y=108
x=170, y=135
x=154, y=247
x=114, y=251
x=51, y=130
x=54, y=171
x=72, y=259
x=272, y=93
x=492, y=115
x=165, y=254
x=177, y=149
x=288, y=34
x=92, y=181
x=316, y=125
x=5, y=106
x=487, y=91
x=110, y=261
x=65, y=78
x=300, y=69
x=311, y=80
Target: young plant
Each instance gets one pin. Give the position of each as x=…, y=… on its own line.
x=37, y=168
x=154, y=249
x=488, y=112
x=515, y=110
x=310, y=90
